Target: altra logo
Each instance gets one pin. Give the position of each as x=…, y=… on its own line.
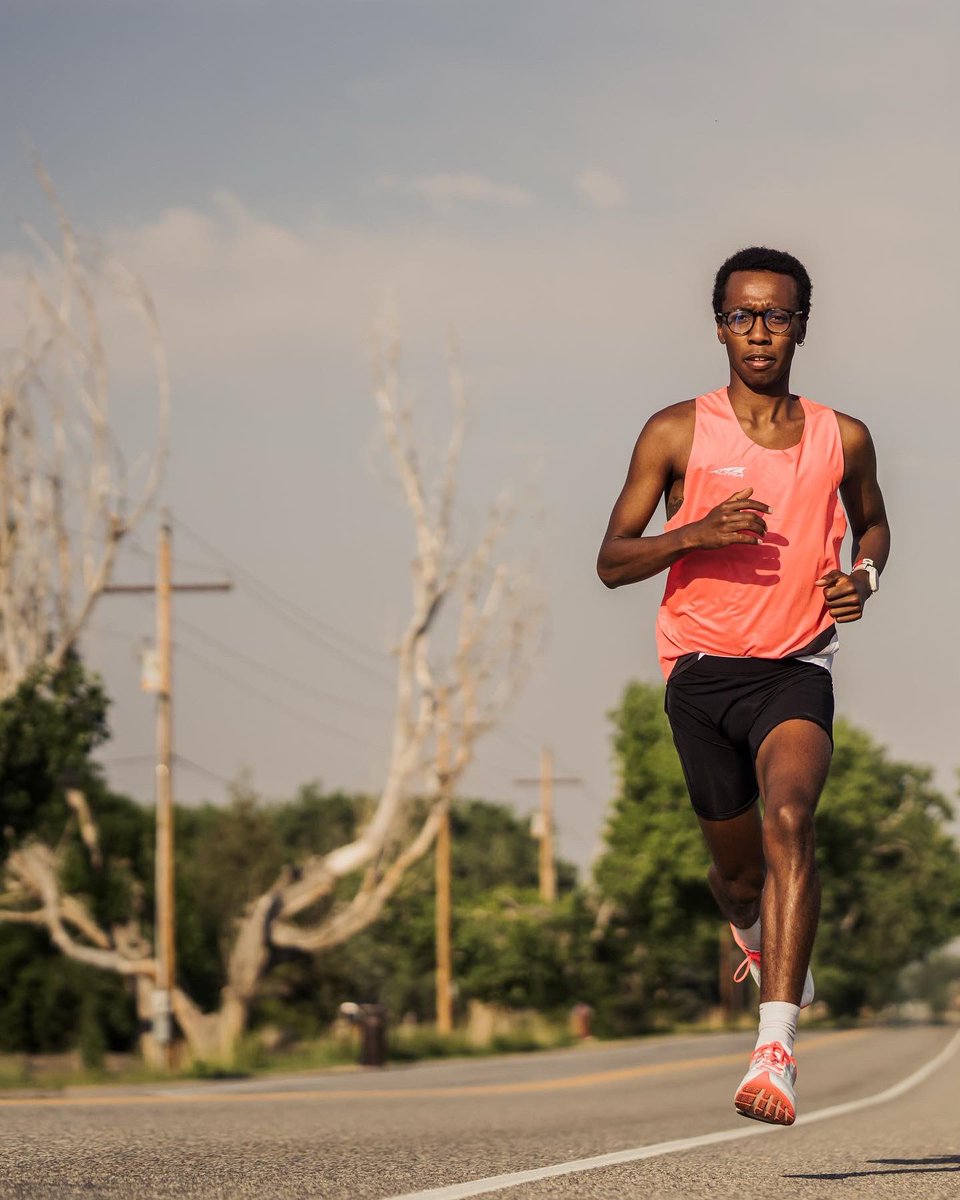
x=737, y=471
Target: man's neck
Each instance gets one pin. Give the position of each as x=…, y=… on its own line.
x=770, y=404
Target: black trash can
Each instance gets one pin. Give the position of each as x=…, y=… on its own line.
x=373, y=1035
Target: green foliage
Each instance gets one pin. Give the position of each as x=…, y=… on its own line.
x=49, y=1003
x=934, y=981
x=890, y=873
x=93, y=1041
x=48, y=729
x=315, y=822
x=514, y=951
x=393, y=961
x=225, y=858
x=228, y=856
x=639, y=945
x=660, y=942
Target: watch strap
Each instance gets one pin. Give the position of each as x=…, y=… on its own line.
x=869, y=567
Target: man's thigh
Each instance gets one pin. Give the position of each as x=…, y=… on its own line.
x=793, y=762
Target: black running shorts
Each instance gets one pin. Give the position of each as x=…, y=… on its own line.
x=721, y=709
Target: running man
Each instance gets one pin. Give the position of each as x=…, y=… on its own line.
x=753, y=477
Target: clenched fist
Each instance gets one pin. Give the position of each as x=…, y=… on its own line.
x=845, y=595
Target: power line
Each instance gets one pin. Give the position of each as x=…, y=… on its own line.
x=526, y=742
x=135, y=547
x=182, y=761
x=302, y=624
x=293, y=615
x=139, y=760
x=308, y=689
x=274, y=703
x=521, y=741
x=266, y=669
x=121, y=634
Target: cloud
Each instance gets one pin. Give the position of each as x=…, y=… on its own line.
x=246, y=300
x=446, y=189
x=602, y=189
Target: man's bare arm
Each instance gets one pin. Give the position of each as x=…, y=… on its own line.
x=861, y=495
x=626, y=554
x=846, y=593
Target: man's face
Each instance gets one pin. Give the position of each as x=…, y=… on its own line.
x=761, y=359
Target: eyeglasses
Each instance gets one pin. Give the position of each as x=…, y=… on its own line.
x=741, y=320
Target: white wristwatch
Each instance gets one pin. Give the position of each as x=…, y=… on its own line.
x=869, y=568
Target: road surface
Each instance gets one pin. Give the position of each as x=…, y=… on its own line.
x=879, y=1117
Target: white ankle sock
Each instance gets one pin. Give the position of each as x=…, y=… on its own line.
x=751, y=936
x=778, y=1023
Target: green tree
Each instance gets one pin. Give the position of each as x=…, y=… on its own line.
x=514, y=951
x=48, y=728
x=495, y=874
x=890, y=872
x=225, y=857
x=658, y=917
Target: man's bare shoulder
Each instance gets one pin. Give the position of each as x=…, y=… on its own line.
x=853, y=432
x=676, y=421
x=859, y=455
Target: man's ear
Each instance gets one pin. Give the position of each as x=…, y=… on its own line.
x=803, y=331
x=721, y=334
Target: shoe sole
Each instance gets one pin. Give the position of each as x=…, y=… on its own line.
x=761, y=1100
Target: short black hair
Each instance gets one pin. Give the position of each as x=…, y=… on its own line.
x=761, y=258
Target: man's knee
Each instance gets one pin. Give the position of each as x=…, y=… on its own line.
x=788, y=819
x=742, y=884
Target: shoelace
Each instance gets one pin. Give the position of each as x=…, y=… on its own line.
x=740, y=974
x=774, y=1055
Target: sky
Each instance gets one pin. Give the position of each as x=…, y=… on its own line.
x=556, y=183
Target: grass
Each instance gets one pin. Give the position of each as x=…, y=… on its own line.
x=35, y=1074
x=406, y=1044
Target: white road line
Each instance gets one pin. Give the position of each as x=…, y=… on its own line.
x=480, y=1187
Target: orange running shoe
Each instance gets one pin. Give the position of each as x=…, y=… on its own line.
x=767, y=1091
x=751, y=966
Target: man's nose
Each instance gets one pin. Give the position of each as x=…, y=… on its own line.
x=759, y=335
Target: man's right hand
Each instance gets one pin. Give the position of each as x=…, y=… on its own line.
x=737, y=521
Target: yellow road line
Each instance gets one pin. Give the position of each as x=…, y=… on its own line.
x=592, y=1079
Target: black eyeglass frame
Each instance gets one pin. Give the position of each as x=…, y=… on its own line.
x=723, y=318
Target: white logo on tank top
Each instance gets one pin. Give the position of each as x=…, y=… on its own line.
x=737, y=471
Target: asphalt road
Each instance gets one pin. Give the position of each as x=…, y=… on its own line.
x=431, y=1128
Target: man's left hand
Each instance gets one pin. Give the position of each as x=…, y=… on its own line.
x=845, y=594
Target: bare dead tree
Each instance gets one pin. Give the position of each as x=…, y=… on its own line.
x=67, y=496
x=452, y=682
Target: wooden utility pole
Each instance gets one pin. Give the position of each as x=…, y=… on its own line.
x=444, y=940
x=545, y=782
x=164, y=934
x=162, y=686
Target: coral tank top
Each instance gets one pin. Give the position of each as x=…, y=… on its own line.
x=756, y=601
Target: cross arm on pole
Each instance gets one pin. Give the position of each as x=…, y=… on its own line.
x=134, y=589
